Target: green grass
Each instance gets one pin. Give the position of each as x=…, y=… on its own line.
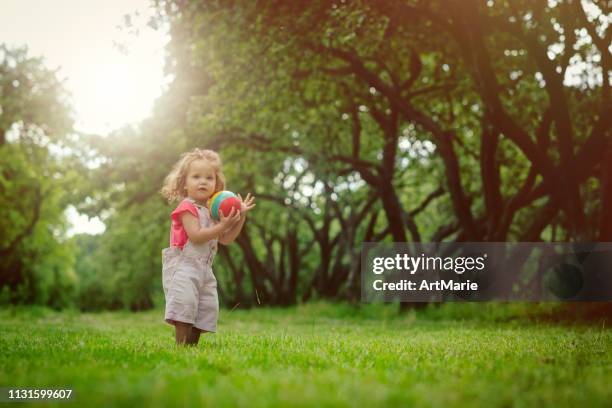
x=314, y=355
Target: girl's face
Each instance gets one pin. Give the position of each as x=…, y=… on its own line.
x=200, y=181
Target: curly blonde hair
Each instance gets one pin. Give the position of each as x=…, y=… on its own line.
x=174, y=183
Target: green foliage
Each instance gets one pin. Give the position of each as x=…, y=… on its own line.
x=121, y=268
x=317, y=107
x=36, y=262
x=31, y=94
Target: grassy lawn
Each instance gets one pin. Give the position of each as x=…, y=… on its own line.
x=314, y=355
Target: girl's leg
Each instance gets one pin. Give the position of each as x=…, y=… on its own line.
x=183, y=330
x=194, y=336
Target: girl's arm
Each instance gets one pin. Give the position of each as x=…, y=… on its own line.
x=230, y=235
x=198, y=234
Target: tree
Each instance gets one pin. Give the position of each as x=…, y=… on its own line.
x=410, y=120
x=35, y=262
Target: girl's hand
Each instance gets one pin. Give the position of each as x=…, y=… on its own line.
x=229, y=221
x=247, y=204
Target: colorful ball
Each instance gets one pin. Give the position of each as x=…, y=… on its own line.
x=222, y=201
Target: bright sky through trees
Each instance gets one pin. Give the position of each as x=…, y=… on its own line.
x=113, y=72
x=109, y=87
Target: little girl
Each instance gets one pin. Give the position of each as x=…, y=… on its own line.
x=190, y=286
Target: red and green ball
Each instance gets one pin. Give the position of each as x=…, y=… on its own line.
x=223, y=201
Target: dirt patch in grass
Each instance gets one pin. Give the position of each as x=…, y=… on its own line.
x=597, y=313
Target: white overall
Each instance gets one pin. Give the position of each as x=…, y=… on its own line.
x=189, y=283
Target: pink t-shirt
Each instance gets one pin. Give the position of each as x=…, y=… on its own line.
x=178, y=235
